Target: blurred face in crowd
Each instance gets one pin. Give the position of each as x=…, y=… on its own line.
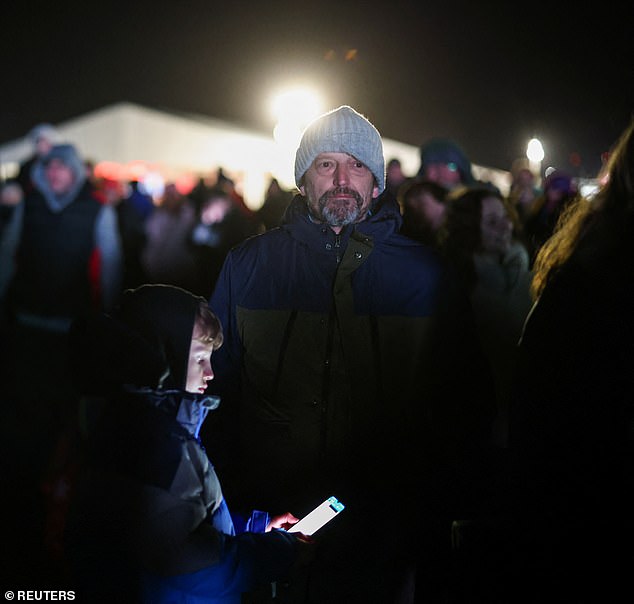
x=11, y=195
x=496, y=227
x=59, y=176
x=199, y=371
x=556, y=192
x=425, y=204
x=339, y=189
x=525, y=178
x=395, y=173
x=172, y=200
x=444, y=174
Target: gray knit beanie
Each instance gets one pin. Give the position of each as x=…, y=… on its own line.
x=342, y=130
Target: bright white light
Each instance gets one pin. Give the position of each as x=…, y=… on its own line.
x=589, y=190
x=154, y=184
x=548, y=171
x=287, y=134
x=535, y=151
x=294, y=109
x=297, y=106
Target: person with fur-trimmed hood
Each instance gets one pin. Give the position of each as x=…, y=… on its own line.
x=61, y=257
x=42, y=138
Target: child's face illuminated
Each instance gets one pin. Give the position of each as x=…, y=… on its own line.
x=199, y=371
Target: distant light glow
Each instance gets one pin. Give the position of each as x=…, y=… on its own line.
x=589, y=190
x=185, y=183
x=293, y=108
x=535, y=150
x=9, y=170
x=136, y=170
x=287, y=134
x=154, y=184
x=109, y=170
x=297, y=105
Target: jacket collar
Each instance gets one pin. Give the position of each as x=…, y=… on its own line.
x=384, y=220
x=188, y=409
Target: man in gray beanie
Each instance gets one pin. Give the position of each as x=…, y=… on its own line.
x=344, y=146
x=339, y=374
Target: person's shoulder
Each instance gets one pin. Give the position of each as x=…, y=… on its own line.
x=406, y=247
x=255, y=248
x=423, y=266
x=261, y=241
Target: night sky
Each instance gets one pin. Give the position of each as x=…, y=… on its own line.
x=490, y=78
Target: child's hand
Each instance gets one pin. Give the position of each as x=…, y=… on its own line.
x=283, y=521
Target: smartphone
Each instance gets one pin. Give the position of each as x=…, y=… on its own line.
x=322, y=514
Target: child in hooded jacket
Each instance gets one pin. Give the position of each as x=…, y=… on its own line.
x=149, y=522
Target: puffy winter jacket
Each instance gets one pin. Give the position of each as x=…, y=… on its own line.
x=347, y=357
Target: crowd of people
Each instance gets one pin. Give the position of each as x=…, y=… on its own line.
x=451, y=361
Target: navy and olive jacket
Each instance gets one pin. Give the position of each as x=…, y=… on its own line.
x=344, y=355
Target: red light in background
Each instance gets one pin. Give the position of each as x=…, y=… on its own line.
x=136, y=170
x=108, y=170
x=185, y=183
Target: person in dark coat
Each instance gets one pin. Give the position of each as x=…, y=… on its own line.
x=542, y=215
x=149, y=521
x=220, y=225
x=572, y=427
x=340, y=369
x=61, y=257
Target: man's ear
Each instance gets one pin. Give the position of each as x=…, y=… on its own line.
x=375, y=192
x=302, y=191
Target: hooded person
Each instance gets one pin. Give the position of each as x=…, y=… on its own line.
x=443, y=161
x=62, y=244
x=42, y=138
x=340, y=337
x=149, y=512
x=61, y=257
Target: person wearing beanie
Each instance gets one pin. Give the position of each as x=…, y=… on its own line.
x=61, y=257
x=443, y=161
x=148, y=520
x=341, y=335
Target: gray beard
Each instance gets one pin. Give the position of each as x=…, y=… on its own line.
x=340, y=214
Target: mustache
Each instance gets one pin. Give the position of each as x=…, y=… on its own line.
x=341, y=191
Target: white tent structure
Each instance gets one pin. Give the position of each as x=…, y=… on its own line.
x=129, y=139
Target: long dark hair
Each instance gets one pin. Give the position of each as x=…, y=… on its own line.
x=460, y=236
x=588, y=230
